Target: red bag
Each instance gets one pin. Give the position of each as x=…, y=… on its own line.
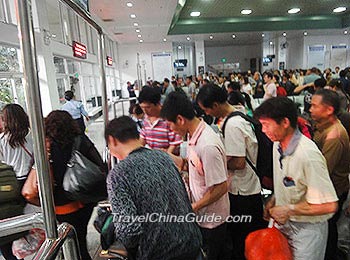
x=268, y=243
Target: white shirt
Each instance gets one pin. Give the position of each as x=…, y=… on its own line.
x=271, y=89
x=17, y=157
x=240, y=141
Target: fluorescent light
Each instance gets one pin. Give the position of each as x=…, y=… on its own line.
x=141, y=41
x=271, y=43
x=339, y=9
x=195, y=14
x=129, y=4
x=137, y=30
x=246, y=11
x=263, y=35
x=284, y=34
x=211, y=37
x=139, y=35
x=233, y=36
x=345, y=32
x=188, y=38
x=164, y=40
x=136, y=24
x=294, y=10
x=305, y=33
x=133, y=16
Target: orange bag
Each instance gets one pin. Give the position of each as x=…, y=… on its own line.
x=267, y=244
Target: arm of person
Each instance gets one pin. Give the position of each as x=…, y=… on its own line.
x=84, y=112
x=171, y=149
x=143, y=141
x=298, y=89
x=235, y=163
x=214, y=193
x=180, y=162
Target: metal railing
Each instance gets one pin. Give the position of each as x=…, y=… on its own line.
x=50, y=249
x=122, y=100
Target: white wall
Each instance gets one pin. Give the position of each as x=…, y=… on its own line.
x=128, y=59
x=233, y=54
x=295, y=53
x=328, y=40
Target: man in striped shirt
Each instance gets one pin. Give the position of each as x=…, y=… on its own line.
x=156, y=132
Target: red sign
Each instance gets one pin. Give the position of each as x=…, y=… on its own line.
x=79, y=50
x=109, y=61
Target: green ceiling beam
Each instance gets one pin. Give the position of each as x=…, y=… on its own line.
x=180, y=5
x=243, y=24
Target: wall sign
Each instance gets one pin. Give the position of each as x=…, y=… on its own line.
x=79, y=50
x=109, y=61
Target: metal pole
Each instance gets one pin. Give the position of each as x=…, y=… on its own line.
x=32, y=90
x=101, y=51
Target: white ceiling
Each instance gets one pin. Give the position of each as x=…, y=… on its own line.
x=154, y=18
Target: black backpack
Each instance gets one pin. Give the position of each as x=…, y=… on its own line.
x=264, y=167
x=11, y=201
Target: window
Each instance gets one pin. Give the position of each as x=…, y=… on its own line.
x=74, y=29
x=9, y=61
x=61, y=87
x=59, y=65
x=82, y=32
x=65, y=24
x=2, y=11
x=54, y=20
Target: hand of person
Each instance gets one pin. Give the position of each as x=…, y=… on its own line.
x=195, y=207
x=269, y=204
x=87, y=118
x=280, y=214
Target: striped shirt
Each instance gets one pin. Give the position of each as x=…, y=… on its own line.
x=158, y=135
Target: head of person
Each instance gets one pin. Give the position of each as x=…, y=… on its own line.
x=342, y=74
x=136, y=111
x=178, y=111
x=268, y=77
x=245, y=80
x=166, y=82
x=325, y=104
x=149, y=100
x=128, y=83
x=233, y=86
x=61, y=128
x=278, y=116
x=335, y=84
x=257, y=76
x=276, y=78
x=337, y=69
x=68, y=95
x=206, y=81
x=188, y=80
x=210, y=98
x=314, y=70
x=15, y=124
x=320, y=83
x=118, y=133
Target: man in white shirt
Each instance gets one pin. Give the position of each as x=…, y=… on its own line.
x=240, y=145
x=269, y=87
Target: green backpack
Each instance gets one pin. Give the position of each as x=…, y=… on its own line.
x=11, y=200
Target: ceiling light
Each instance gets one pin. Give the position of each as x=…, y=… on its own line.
x=211, y=37
x=246, y=11
x=141, y=41
x=179, y=47
x=294, y=10
x=263, y=35
x=164, y=40
x=195, y=14
x=233, y=36
x=339, y=9
x=188, y=38
x=129, y=4
x=345, y=32
x=133, y=16
x=271, y=43
x=139, y=35
x=284, y=34
x=53, y=35
x=137, y=30
x=136, y=24
x=305, y=33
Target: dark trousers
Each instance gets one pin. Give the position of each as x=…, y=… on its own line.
x=79, y=220
x=332, y=251
x=6, y=251
x=81, y=124
x=252, y=207
x=214, y=242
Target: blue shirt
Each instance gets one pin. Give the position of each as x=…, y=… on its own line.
x=75, y=109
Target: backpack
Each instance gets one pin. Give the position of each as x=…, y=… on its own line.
x=11, y=200
x=264, y=167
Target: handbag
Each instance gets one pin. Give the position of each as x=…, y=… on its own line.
x=83, y=179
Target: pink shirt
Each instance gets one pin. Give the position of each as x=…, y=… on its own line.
x=207, y=167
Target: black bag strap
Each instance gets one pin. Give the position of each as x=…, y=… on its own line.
x=247, y=118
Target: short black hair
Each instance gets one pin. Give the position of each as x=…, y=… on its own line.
x=336, y=83
x=166, y=80
x=68, y=95
x=175, y=104
x=135, y=109
x=277, y=78
x=278, y=108
x=149, y=94
x=320, y=83
x=330, y=98
x=268, y=74
x=123, y=129
x=234, y=85
x=211, y=93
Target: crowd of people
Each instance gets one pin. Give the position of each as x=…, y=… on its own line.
x=215, y=180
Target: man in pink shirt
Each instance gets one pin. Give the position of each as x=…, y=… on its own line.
x=206, y=164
